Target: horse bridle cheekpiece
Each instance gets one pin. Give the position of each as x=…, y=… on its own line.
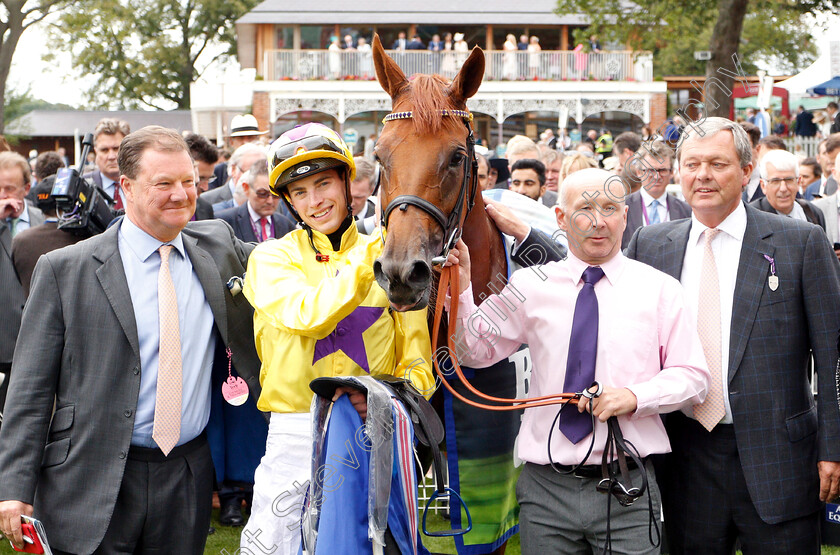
x=451, y=225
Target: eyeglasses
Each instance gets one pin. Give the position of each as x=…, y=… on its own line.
x=262, y=193
x=780, y=180
x=210, y=180
x=661, y=171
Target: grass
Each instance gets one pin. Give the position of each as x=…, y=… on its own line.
x=227, y=539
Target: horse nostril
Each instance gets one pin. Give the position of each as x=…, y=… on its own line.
x=377, y=271
x=420, y=275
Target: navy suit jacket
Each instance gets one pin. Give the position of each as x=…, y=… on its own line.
x=814, y=188
x=240, y=220
x=677, y=210
x=779, y=432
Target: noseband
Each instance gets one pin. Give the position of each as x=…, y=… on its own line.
x=451, y=225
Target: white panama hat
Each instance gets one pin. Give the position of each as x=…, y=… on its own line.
x=245, y=125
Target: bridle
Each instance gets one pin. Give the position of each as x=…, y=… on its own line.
x=451, y=225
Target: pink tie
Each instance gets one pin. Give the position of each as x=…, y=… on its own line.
x=712, y=410
x=264, y=224
x=167, y=428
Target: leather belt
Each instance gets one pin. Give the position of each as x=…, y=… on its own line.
x=593, y=470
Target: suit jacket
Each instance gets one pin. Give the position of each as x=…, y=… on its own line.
x=779, y=432
x=549, y=198
x=81, y=350
x=805, y=126
x=814, y=188
x=219, y=194
x=29, y=245
x=203, y=209
x=677, y=210
x=240, y=220
x=829, y=207
x=835, y=125
x=813, y=214
x=12, y=296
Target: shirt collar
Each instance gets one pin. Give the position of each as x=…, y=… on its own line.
x=24, y=216
x=144, y=245
x=254, y=216
x=612, y=267
x=647, y=198
x=107, y=181
x=734, y=225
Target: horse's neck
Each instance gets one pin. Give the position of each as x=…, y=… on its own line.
x=487, y=252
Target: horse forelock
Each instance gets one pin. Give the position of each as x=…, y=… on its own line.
x=426, y=96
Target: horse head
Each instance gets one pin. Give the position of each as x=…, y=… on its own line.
x=424, y=158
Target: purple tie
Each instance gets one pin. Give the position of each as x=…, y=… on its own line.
x=580, y=364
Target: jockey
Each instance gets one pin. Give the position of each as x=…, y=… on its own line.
x=318, y=312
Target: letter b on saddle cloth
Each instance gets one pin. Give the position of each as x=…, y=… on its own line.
x=363, y=493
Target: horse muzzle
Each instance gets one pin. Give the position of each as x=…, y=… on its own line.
x=407, y=284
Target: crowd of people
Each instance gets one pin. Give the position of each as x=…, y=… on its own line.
x=146, y=368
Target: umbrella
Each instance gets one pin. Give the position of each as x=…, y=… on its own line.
x=829, y=88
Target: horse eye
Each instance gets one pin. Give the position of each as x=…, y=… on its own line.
x=457, y=159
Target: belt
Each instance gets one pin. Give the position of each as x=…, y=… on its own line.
x=154, y=454
x=593, y=470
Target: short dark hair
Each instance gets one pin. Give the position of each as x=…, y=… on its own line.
x=753, y=132
x=150, y=137
x=773, y=142
x=832, y=143
x=530, y=164
x=47, y=164
x=201, y=149
x=813, y=164
x=628, y=139
x=832, y=104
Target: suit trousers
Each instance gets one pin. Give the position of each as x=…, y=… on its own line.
x=707, y=503
x=563, y=514
x=164, y=502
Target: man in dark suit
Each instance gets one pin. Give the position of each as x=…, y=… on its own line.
x=120, y=333
x=754, y=460
x=415, y=44
x=401, y=43
x=827, y=152
x=834, y=114
x=753, y=191
x=780, y=183
x=16, y=215
x=651, y=204
x=221, y=198
x=804, y=126
x=107, y=136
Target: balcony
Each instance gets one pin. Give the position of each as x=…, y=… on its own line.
x=555, y=65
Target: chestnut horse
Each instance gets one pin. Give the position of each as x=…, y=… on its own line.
x=424, y=152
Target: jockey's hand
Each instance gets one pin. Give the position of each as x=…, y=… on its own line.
x=357, y=399
x=829, y=480
x=10, y=513
x=507, y=222
x=612, y=402
x=459, y=255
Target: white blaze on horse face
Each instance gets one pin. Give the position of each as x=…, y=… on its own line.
x=593, y=220
x=320, y=200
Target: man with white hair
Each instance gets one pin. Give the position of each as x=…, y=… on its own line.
x=645, y=331
x=780, y=183
x=830, y=207
x=222, y=197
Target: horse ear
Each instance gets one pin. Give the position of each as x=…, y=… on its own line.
x=389, y=74
x=469, y=78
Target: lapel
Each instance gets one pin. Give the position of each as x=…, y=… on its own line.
x=753, y=270
x=208, y=274
x=243, y=223
x=111, y=276
x=6, y=238
x=634, y=213
x=672, y=252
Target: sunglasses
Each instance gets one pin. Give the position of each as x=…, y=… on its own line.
x=262, y=193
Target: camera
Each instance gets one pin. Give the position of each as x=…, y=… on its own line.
x=82, y=207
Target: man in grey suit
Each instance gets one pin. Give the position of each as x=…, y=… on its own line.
x=756, y=460
x=651, y=204
x=16, y=215
x=830, y=207
x=827, y=152
x=120, y=333
x=221, y=198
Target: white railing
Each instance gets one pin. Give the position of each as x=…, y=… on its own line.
x=805, y=146
x=554, y=65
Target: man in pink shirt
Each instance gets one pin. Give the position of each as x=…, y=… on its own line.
x=624, y=325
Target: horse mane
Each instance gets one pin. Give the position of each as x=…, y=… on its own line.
x=428, y=94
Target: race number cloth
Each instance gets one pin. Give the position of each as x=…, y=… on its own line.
x=481, y=455
x=340, y=508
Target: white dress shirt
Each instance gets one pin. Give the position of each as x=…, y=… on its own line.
x=727, y=250
x=662, y=209
x=797, y=213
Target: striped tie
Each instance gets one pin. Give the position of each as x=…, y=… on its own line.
x=167, y=428
x=712, y=410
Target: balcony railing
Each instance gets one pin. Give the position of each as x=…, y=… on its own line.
x=553, y=65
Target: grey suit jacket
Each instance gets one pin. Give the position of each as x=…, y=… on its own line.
x=217, y=195
x=829, y=207
x=812, y=214
x=779, y=432
x=677, y=210
x=11, y=292
x=80, y=349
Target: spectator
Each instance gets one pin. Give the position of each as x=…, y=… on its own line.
x=435, y=45
x=753, y=191
x=206, y=155
x=107, y=137
x=362, y=204
x=827, y=151
x=509, y=64
x=779, y=181
x=809, y=172
x=461, y=49
x=484, y=177
x=594, y=44
x=447, y=66
x=401, y=43
x=527, y=177
x=348, y=43
x=534, y=50
x=244, y=129
x=575, y=162
x=830, y=205
x=624, y=148
x=47, y=164
x=804, y=125
x=415, y=44
x=334, y=58
x=833, y=117
x=553, y=162
x=221, y=198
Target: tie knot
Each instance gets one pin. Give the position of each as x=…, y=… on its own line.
x=711, y=233
x=654, y=204
x=165, y=251
x=592, y=275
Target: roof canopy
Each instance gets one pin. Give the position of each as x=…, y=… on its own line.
x=66, y=123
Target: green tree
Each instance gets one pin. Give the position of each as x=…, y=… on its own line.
x=751, y=29
x=16, y=16
x=145, y=53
